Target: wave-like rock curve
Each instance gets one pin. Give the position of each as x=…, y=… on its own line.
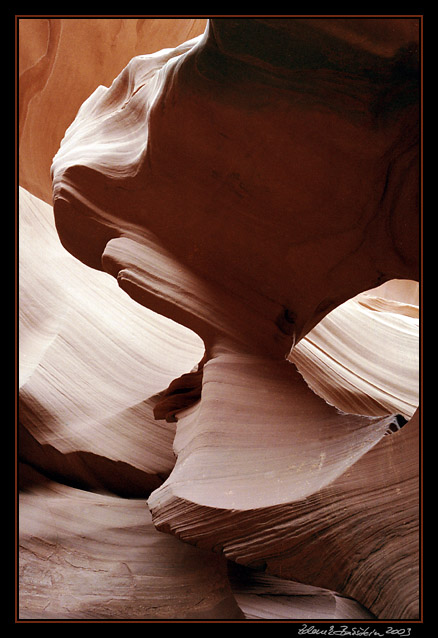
x=249, y=185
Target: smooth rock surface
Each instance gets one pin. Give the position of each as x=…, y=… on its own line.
x=357, y=536
x=363, y=357
x=272, y=244
x=253, y=187
x=265, y=597
x=92, y=556
x=53, y=80
x=91, y=363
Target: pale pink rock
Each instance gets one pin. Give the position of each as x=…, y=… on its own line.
x=252, y=187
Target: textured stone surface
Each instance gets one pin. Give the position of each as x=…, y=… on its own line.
x=357, y=536
x=61, y=62
x=91, y=364
x=353, y=358
x=265, y=597
x=94, y=556
x=252, y=187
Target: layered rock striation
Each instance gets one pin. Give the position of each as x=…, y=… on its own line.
x=254, y=193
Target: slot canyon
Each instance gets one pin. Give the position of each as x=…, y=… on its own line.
x=219, y=277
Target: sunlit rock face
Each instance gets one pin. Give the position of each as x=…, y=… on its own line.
x=92, y=363
x=61, y=62
x=359, y=375
x=252, y=187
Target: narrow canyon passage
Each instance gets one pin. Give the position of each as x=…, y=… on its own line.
x=219, y=318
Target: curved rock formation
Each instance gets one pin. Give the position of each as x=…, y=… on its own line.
x=50, y=76
x=358, y=535
x=251, y=190
x=265, y=597
x=359, y=375
x=92, y=363
x=124, y=141
x=97, y=556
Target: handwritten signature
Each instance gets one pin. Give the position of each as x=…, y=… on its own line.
x=344, y=630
